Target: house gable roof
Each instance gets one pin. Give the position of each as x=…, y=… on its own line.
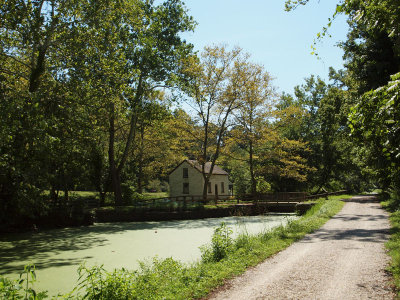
x=196, y=165
x=216, y=170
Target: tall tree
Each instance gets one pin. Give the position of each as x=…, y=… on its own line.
x=72, y=75
x=375, y=121
x=370, y=58
x=324, y=128
x=251, y=117
x=309, y=96
x=30, y=33
x=372, y=54
x=136, y=49
x=215, y=93
x=41, y=119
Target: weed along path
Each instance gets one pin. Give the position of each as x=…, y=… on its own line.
x=344, y=259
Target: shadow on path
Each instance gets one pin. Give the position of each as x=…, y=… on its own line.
x=369, y=233
x=363, y=199
x=361, y=235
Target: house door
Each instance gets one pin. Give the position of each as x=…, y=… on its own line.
x=216, y=191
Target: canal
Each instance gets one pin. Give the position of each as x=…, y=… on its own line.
x=58, y=253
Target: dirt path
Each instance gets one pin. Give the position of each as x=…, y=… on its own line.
x=345, y=259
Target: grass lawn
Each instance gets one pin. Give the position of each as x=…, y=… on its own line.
x=84, y=194
x=155, y=195
x=93, y=194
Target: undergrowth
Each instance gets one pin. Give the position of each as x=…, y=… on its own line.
x=222, y=259
x=393, y=245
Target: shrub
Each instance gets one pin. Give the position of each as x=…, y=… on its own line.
x=21, y=288
x=262, y=185
x=221, y=244
x=97, y=283
x=129, y=194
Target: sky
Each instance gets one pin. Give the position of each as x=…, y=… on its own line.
x=279, y=40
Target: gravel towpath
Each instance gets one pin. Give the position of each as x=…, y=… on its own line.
x=344, y=259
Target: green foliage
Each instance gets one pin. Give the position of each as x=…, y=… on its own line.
x=129, y=194
x=157, y=186
x=240, y=175
x=369, y=63
x=369, y=86
x=65, y=108
x=393, y=245
x=262, y=185
x=375, y=120
x=21, y=288
x=221, y=244
x=333, y=156
x=97, y=283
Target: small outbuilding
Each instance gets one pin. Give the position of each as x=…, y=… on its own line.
x=187, y=180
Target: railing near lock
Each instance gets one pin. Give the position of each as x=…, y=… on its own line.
x=188, y=202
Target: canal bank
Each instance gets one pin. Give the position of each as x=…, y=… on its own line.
x=132, y=214
x=57, y=254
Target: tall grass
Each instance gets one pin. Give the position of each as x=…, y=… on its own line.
x=393, y=245
x=222, y=259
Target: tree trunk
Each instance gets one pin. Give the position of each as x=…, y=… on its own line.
x=116, y=185
x=204, y=157
x=102, y=193
x=205, y=187
x=140, y=171
x=64, y=185
x=66, y=195
x=133, y=123
x=41, y=47
x=37, y=71
x=251, y=164
x=53, y=194
x=102, y=198
x=115, y=178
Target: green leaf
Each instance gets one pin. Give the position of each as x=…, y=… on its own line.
x=33, y=274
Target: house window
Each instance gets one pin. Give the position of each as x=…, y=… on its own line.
x=222, y=188
x=185, y=173
x=209, y=187
x=186, y=188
